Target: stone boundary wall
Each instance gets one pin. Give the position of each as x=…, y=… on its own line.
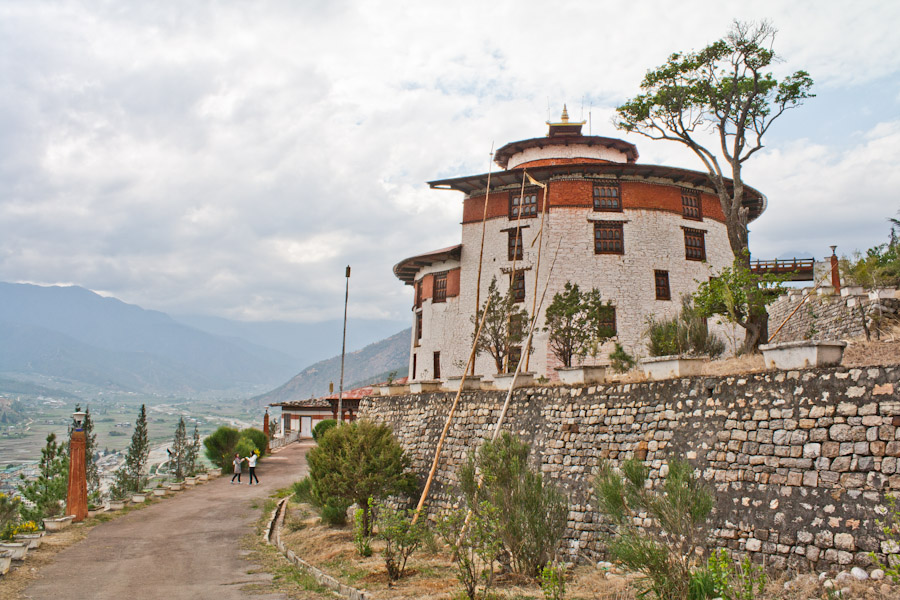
x=800, y=460
x=827, y=317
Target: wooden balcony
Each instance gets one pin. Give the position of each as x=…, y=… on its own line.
x=797, y=269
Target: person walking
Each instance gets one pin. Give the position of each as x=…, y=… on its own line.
x=251, y=462
x=237, y=468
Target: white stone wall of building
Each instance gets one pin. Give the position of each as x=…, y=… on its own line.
x=570, y=151
x=439, y=323
x=652, y=240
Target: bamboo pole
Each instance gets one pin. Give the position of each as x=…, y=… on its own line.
x=440, y=444
x=801, y=303
x=487, y=193
x=512, y=276
x=540, y=240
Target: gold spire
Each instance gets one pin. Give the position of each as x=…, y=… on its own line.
x=565, y=115
x=565, y=126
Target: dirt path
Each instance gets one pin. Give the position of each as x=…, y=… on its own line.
x=187, y=547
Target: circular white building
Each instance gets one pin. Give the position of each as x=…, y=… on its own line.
x=644, y=235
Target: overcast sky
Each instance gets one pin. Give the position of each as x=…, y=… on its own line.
x=231, y=158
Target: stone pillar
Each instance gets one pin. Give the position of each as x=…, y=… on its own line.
x=835, y=272
x=76, y=495
x=266, y=429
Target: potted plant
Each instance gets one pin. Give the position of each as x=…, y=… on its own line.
x=578, y=323
x=28, y=532
x=680, y=345
x=52, y=524
x=5, y=561
x=116, y=504
x=803, y=354
x=17, y=550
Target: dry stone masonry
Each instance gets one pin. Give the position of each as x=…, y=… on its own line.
x=800, y=460
x=829, y=317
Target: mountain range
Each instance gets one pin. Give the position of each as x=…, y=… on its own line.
x=69, y=337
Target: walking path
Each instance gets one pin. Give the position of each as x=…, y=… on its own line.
x=187, y=547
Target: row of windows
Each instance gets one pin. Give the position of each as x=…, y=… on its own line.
x=609, y=239
x=440, y=289
x=607, y=198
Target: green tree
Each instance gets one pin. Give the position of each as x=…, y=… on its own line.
x=667, y=552
x=220, y=446
x=878, y=267
x=179, y=453
x=193, y=453
x=321, y=427
x=727, y=88
x=131, y=477
x=47, y=493
x=531, y=513
x=257, y=437
x=575, y=321
x=356, y=462
x=738, y=295
x=505, y=327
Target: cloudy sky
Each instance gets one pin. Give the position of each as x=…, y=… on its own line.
x=231, y=158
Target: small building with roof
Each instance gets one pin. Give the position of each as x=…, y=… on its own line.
x=587, y=212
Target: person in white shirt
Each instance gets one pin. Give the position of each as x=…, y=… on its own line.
x=251, y=462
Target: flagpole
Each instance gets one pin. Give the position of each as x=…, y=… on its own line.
x=545, y=200
x=343, y=352
x=487, y=193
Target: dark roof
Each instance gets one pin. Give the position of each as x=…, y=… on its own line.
x=506, y=152
x=754, y=199
x=305, y=403
x=406, y=269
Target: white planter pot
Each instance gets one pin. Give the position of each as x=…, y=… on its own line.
x=190, y=481
x=853, y=290
x=502, y=381
x=668, y=367
x=5, y=562
x=393, y=389
x=138, y=498
x=472, y=383
x=58, y=524
x=175, y=487
x=17, y=550
x=116, y=504
x=882, y=293
x=425, y=385
x=203, y=477
x=96, y=511
x=32, y=539
x=585, y=374
x=803, y=354
x=160, y=492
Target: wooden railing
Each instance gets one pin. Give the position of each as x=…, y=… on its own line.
x=800, y=269
x=288, y=438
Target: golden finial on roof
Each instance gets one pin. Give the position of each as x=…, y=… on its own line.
x=565, y=126
x=565, y=115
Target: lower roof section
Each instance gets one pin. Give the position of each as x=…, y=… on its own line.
x=406, y=269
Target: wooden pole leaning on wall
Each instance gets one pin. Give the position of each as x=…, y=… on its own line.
x=801, y=303
x=545, y=199
x=440, y=444
x=487, y=193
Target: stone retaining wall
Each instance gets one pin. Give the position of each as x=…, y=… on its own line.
x=827, y=317
x=800, y=460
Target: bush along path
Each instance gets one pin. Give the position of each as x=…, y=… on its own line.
x=187, y=547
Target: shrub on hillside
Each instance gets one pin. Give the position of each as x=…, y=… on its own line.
x=220, y=446
x=355, y=462
x=685, y=333
x=257, y=437
x=666, y=553
x=321, y=427
x=530, y=512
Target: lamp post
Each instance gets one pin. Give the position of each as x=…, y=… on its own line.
x=76, y=494
x=266, y=428
x=835, y=272
x=343, y=352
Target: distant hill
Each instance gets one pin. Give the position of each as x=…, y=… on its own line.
x=369, y=365
x=74, y=334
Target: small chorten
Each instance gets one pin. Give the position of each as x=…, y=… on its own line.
x=564, y=127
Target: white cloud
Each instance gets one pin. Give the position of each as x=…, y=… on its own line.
x=202, y=157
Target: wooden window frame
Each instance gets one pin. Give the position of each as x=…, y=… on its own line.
x=614, y=245
x=440, y=287
x=513, y=249
x=418, y=327
x=611, y=322
x=694, y=251
x=531, y=207
x=691, y=205
x=661, y=282
x=418, y=299
x=607, y=202
x=518, y=292
x=436, y=358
